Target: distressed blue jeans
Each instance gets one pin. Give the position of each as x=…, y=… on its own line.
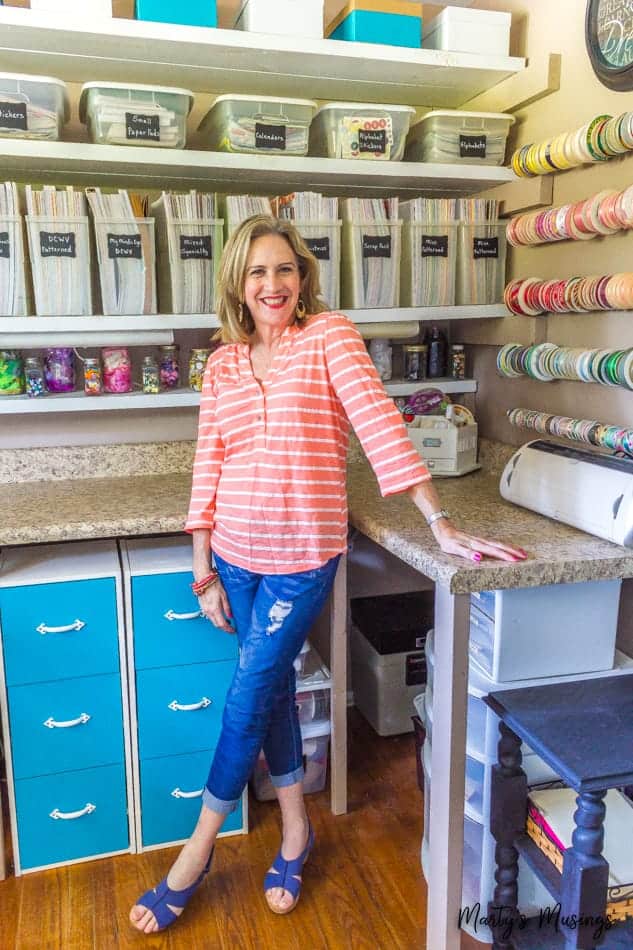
x=273, y=614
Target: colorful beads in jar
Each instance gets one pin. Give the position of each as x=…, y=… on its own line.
x=458, y=361
x=197, y=365
x=11, y=373
x=59, y=369
x=117, y=369
x=149, y=372
x=93, y=379
x=34, y=377
x=169, y=370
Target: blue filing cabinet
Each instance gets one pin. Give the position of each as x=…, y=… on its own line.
x=180, y=668
x=63, y=702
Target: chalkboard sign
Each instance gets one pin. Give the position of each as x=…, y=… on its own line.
x=609, y=38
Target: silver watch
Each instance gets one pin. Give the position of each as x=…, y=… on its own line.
x=436, y=516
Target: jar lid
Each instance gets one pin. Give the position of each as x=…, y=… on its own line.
x=415, y=347
x=457, y=346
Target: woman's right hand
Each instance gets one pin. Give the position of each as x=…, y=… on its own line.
x=214, y=605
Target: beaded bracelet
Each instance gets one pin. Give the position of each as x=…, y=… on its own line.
x=199, y=587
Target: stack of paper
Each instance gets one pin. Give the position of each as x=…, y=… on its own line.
x=371, y=255
x=12, y=282
x=125, y=252
x=316, y=219
x=189, y=242
x=238, y=208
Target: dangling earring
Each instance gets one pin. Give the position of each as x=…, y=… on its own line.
x=300, y=312
x=240, y=313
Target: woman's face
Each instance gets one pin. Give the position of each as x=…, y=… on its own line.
x=272, y=283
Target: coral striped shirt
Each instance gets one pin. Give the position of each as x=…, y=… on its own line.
x=270, y=464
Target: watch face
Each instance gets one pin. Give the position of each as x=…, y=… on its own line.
x=609, y=37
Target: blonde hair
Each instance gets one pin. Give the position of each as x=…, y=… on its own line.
x=232, y=275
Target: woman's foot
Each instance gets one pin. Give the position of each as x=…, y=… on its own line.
x=187, y=872
x=294, y=843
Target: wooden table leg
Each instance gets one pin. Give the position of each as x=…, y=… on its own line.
x=448, y=758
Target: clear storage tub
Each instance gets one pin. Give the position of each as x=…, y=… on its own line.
x=261, y=124
x=315, y=741
x=360, y=130
x=118, y=113
x=126, y=258
x=429, y=258
x=13, y=294
x=324, y=240
x=32, y=107
x=60, y=254
x=189, y=251
x=370, y=276
x=468, y=138
x=481, y=263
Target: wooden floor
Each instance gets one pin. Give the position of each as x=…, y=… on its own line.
x=363, y=887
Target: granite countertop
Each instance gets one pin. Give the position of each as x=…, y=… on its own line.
x=65, y=507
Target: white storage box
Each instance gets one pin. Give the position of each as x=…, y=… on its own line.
x=78, y=8
x=370, y=275
x=445, y=447
x=481, y=263
x=385, y=686
x=429, y=258
x=360, y=130
x=266, y=125
x=291, y=17
x=486, y=32
x=119, y=113
x=466, y=138
x=32, y=107
x=316, y=741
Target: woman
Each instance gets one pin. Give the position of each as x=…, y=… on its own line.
x=269, y=498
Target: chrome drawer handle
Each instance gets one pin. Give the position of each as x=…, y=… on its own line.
x=172, y=615
x=178, y=793
x=71, y=815
x=191, y=707
x=66, y=723
x=77, y=625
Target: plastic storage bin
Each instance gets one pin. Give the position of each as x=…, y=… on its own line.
x=466, y=138
x=59, y=250
x=370, y=275
x=291, y=17
x=313, y=707
x=127, y=266
x=81, y=8
x=360, y=130
x=191, y=13
x=119, y=113
x=429, y=259
x=32, y=107
x=378, y=21
x=324, y=240
x=13, y=299
x=486, y=32
x=262, y=124
x=481, y=263
x=189, y=253
x=316, y=741
x=451, y=450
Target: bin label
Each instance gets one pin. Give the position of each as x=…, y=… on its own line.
x=270, y=136
x=372, y=140
x=376, y=246
x=139, y=126
x=472, y=146
x=198, y=247
x=124, y=245
x=415, y=669
x=435, y=245
x=320, y=247
x=13, y=115
x=5, y=245
x=485, y=247
x=57, y=244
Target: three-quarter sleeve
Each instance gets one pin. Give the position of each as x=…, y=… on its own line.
x=208, y=458
x=370, y=410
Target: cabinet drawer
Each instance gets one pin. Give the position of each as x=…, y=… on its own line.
x=171, y=796
x=57, y=648
x=49, y=731
x=186, y=638
x=180, y=710
x=91, y=805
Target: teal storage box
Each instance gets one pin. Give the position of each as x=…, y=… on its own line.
x=191, y=13
x=392, y=22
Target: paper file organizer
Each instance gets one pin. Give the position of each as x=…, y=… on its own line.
x=429, y=257
x=324, y=240
x=371, y=265
x=189, y=252
x=60, y=260
x=127, y=265
x=13, y=302
x=481, y=263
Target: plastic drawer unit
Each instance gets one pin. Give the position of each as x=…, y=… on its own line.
x=378, y=21
x=63, y=698
x=32, y=107
x=465, y=138
x=180, y=669
x=360, y=130
x=119, y=113
x=265, y=125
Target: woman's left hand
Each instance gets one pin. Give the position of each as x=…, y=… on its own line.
x=469, y=546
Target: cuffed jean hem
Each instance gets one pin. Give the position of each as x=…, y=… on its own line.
x=218, y=804
x=291, y=778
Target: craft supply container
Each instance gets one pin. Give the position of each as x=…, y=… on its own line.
x=290, y=17
x=429, y=260
x=481, y=263
x=465, y=138
x=11, y=373
x=485, y=32
x=32, y=107
x=13, y=300
x=360, y=130
x=190, y=13
x=378, y=21
x=127, y=266
x=324, y=241
x=370, y=275
x=189, y=252
x=315, y=739
x=59, y=369
x=266, y=125
x=119, y=113
x=59, y=250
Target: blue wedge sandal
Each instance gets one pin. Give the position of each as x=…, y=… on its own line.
x=287, y=874
x=160, y=897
